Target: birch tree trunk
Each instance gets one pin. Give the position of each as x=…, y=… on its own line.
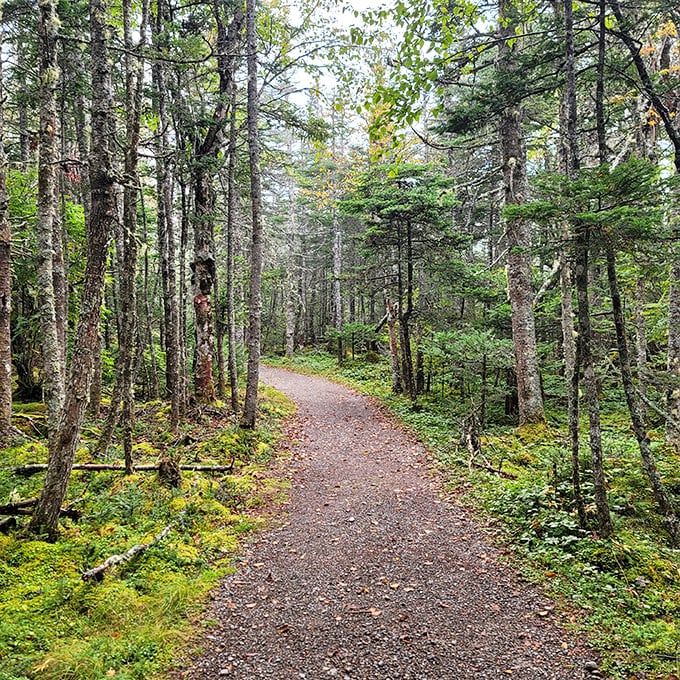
x=513, y=153
x=63, y=445
x=254, y=298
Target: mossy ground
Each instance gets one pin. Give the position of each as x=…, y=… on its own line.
x=624, y=592
x=129, y=626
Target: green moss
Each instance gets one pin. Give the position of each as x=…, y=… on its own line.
x=131, y=624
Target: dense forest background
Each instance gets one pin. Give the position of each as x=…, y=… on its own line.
x=474, y=204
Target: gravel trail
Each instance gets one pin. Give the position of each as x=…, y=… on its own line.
x=372, y=573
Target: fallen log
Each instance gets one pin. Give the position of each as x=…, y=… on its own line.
x=25, y=507
x=35, y=468
x=97, y=572
x=11, y=508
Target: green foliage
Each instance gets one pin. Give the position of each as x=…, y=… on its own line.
x=625, y=202
x=385, y=195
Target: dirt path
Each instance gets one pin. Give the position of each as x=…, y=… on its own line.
x=373, y=575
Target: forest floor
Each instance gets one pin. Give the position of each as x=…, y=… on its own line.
x=372, y=571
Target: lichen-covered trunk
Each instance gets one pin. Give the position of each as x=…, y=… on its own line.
x=585, y=335
x=203, y=265
x=291, y=279
x=515, y=185
x=571, y=378
x=232, y=208
x=134, y=82
x=254, y=298
x=166, y=234
x=5, y=285
x=63, y=445
x=48, y=216
x=569, y=167
x=641, y=341
x=202, y=278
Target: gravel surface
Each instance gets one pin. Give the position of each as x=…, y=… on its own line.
x=372, y=572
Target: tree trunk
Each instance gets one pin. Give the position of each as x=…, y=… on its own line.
x=570, y=162
x=6, y=433
x=585, y=330
x=585, y=335
x=337, y=274
x=397, y=387
x=52, y=347
x=203, y=265
x=166, y=233
x=291, y=279
x=254, y=297
x=63, y=446
x=134, y=82
x=513, y=153
x=405, y=319
x=232, y=209
x=641, y=341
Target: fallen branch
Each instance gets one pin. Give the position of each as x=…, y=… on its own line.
x=491, y=468
x=11, y=508
x=98, y=571
x=35, y=468
x=25, y=507
x=474, y=446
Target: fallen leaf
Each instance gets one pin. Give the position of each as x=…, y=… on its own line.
x=374, y=612
x=395, y=586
